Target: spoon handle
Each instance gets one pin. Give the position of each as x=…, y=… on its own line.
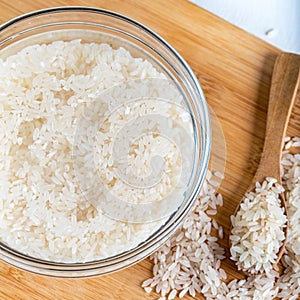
x=285, y=82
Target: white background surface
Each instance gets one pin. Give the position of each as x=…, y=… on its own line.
x=275, y=21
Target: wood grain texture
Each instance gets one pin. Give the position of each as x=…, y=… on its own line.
x=234, y=69
x=283, y=92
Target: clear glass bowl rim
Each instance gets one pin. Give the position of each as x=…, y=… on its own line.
x=133, y=256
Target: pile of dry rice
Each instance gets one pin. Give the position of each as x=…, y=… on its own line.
x=258, y=228
x=191, y=261
x=44, y=92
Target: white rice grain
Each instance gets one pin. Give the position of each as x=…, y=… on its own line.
x=44, y=93
x=269, y=286
x=258, y=229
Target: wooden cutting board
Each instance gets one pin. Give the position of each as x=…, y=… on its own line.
x=234, y=69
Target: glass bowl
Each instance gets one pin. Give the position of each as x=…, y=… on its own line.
x=92, y=25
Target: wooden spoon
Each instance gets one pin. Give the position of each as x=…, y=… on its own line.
x=285, y=82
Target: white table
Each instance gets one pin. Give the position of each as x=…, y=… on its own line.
x=275, y=21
